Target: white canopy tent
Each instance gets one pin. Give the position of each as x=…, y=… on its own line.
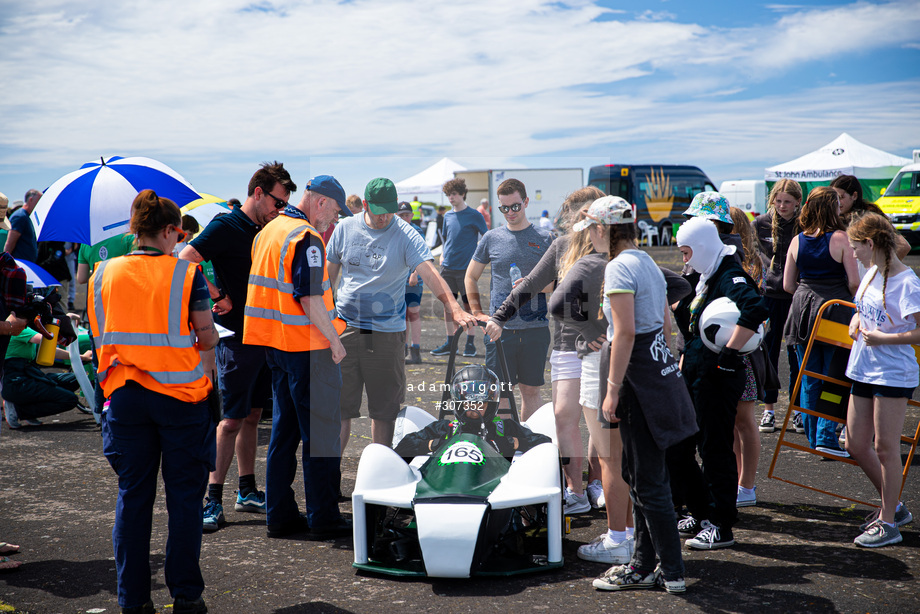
x=843, y=156
x=430, y=180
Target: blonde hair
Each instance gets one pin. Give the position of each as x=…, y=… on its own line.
x=877, y=228
x=752, y=263
x=579, y=245
x=571, y=206
x=793, y=189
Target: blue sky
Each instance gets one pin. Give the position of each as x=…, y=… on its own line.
x=367, y=88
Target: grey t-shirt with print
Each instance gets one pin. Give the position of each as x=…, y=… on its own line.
x=375, y=265
x=502, y=248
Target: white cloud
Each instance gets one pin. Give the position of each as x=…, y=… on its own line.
x=204, y=80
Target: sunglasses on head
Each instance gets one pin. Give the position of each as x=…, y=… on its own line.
x=279, y=204
x=515, y=207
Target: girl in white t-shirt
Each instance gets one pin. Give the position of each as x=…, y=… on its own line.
x=884, y=371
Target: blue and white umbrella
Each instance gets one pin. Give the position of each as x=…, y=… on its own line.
x=94, y=203
x=37, y=276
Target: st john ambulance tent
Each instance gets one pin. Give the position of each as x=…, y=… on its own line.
x=843, y=156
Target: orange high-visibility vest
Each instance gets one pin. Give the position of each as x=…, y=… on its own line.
x=273, y=317
x=138, y=311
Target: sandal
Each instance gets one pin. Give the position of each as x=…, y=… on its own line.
x=7, y=564
x=6, y=548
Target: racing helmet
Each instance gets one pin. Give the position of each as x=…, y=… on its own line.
x=717, y=322
x=475, y=388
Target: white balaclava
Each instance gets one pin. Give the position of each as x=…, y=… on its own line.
x=702, y=236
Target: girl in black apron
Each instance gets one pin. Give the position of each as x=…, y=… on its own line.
x=645, y=395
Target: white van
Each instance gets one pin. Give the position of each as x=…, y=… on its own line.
x=749, y=195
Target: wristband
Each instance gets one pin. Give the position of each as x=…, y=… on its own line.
x=613, y=383
x=220, y=297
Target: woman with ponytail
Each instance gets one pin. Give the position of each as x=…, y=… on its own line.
x=775, y=230
x=151, y=317
x=884, y=371
x=820, y=267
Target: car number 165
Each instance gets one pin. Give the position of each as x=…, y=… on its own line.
x=462, y=452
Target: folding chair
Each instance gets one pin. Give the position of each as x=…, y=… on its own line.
x=833, y=399
x=647, y=233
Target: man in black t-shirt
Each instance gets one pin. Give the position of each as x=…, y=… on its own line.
x=245, y=381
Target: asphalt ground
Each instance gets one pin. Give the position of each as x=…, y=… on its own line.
x=794, y=551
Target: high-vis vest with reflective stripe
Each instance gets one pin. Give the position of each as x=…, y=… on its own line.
x=273, y=317
x=138, y=311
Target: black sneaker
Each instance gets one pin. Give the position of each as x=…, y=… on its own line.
x=711, y=537
x=767, y=422
x=184, y=606
x=688, y=525
x=797, y=423
x=147, y=608
x=340, y=528
x=415, y=355
x=443, y=350
x=470, y=349
x=294, y=526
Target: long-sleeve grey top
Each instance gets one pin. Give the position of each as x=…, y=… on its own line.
x=576, y=302
x=577, y=299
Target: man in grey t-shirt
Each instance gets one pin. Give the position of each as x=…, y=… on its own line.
x=526, y=336
x=375, y=252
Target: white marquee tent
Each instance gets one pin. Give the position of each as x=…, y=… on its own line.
x=430, y=180
x=843, y=156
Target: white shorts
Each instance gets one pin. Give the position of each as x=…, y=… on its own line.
x=564, y=365
x=590, y=381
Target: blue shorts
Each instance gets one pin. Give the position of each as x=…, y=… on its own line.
x=861, y=389
x=414, y=295
x=245, y=379
x=525, y=352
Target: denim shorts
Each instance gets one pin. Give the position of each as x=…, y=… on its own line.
x=861, y=389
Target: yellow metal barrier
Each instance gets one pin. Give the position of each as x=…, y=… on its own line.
x=835, y=397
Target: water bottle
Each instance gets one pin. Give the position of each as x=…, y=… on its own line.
x=45, y=355
x=515, y=274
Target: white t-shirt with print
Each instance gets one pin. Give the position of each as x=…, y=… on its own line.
x=886, y=365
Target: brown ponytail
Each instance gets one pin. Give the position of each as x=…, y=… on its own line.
x=150, y=214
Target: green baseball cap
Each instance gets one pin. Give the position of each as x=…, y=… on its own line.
x=381, y=197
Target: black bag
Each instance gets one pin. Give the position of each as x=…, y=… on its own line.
x=51, y=258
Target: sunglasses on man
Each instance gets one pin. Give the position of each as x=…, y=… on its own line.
x=515, y=207
x=279, y=204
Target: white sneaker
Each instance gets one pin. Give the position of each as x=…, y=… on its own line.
x=603, y=550
x=745, y=500
x=596, y=495
x=575, y=504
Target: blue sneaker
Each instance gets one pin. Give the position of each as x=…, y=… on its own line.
x=212, y=516
x=443, y=350
x=253, y=502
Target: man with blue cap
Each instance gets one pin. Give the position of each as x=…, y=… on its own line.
x=375, y=252
x=290, y=310
x=245, y=381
